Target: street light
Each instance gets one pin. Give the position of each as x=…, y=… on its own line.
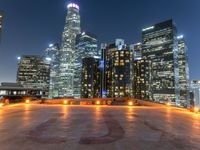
x=196, y=109
x=98, y=102
x=1, y=105
x=65, y=102
x=27, y=101
x=130, y=103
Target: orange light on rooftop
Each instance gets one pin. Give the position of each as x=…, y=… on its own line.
x=196, y=110
x=130, y=103
x=65, y=102
x=98, y=102
x=27, y=101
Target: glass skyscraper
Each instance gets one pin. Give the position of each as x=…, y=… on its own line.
x=183, y=71
x=86, y=46
x=51, y=55
x=90, y=82
x=34, y=72
x=160, y=53
x=67, y=52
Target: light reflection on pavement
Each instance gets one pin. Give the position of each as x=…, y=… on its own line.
x=47, y=127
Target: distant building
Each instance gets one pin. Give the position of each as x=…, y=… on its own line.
x=183, y=71
x=160, y=49
x=15, y=91
x=86, y=46
x=1, y=23
x=195, y=93
x=51, y=55
x=90, y=84
x=34, y=72
x=118, y=70
x=66, y=53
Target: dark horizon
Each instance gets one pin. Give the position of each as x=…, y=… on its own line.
x=27, y=31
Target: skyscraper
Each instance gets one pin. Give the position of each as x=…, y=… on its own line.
x=1, y=23
x=160, y=51
x=86, y=46
x=183, y=71
x=90, y=84
x=51, y=55
x=34, y=72
x=118, y=68
x=67, y=51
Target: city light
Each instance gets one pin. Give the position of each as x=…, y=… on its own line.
x=130, y=103
x=168, y=104
x=1, y=105
x=27, y=101
x=98, y=102
x=149, y=28
x=50, y=45
x=65, y=102
x=180, y=37
x=196, y=110
x=18, y=58
x=72, y=5
x=48, y=59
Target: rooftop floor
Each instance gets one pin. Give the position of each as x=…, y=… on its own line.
x=58, y=127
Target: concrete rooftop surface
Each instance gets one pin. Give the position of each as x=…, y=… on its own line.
x=59, y=127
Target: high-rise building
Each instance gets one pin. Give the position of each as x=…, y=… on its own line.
x=160, y=51
x=67, y=51
x=86, y=46
x=51, y=55
x=138, y=72
x=34, y=72
x=1, y=23
x=90, y=84
x=118, y=70
x=183, y=71
x=195, y=94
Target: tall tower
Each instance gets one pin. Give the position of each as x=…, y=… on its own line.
x=67, y=51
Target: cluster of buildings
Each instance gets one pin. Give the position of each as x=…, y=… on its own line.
x=155, y=69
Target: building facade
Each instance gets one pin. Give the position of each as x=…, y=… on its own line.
x=86, y=46
x=183, y=71
x=195, y=94
x=118, y=70
x=34, y=72
x=160, y=51
x=67, y=52
x=51, y=55
x=90, y=84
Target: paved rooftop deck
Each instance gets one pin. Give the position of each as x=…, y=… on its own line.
x=48, y=127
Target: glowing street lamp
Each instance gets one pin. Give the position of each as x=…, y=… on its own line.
x=27, y=101
x=168, y=104
x=98, y=102
x=130, y=103
x=65, y=102
x=1, y=105
x=196, y=110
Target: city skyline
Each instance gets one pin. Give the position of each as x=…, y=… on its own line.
x=37, y=43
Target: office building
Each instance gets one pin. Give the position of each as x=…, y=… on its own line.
x=34, y=72
x=86, y=46
x=51, y=55
x=118, y=70
x=67, y=51
x=195, y=94
x=160, y=51
x=90, y=84
x=183, y=71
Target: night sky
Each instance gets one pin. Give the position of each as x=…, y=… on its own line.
x=31, y=25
